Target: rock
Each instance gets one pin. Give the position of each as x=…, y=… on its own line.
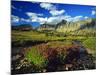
x=44, y=70
x=16, y=57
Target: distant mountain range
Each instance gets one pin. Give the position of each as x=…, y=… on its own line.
x=80, y=27
x=83, y=27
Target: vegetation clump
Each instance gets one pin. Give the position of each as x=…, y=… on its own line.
x=34, y=56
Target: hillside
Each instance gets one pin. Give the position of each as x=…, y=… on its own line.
x=46, y=27
x=83, y=27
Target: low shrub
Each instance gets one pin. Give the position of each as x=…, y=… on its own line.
x=47, y=57
x=34, y=56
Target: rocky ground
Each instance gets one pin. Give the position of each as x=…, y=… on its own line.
x=77, y=59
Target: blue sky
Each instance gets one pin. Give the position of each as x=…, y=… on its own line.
x=37, y=13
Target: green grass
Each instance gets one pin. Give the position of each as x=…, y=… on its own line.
x=90, y=43
x=23, y=36
x=59, y=43
x=80, y=38
x=34, y=56
x=33, y=36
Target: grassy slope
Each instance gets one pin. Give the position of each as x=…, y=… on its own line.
x=90, y=44
x=33, y=36
x=34, y=54
x=22, y=36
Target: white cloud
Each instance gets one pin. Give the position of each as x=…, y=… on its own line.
x=42, y=20
x=52, y=9
x=69, y=19
x=25, y=20
x=57, y=12
x=47, y=6
x=57, y=19
x=15, y=18
x=33, y=16
x=53, y=20
x=93, y=12
x=74, y=19
x=86, y=17
x=77, y=18
x=50, y=20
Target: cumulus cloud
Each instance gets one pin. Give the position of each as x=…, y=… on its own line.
x=86, y=17
x=52, y=9
x=42, y=20
x=57, y=15
x=15, y=18
x=57, y=19
x=33, y=16
x=53, y=19
x=25, y=20
x=74, y=19
x=57, y=12
x=93, y=12
x=47, y=6
x=77, y=18
x=69, y=19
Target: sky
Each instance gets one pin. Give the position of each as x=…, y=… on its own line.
x=37, y=13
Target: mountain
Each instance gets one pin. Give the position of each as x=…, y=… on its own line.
x=22, y=27
x=83, y=27
x=46, y=27
x=73, y=26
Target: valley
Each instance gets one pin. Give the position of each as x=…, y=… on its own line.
x=66, y=46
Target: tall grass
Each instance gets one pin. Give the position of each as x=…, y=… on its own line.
x=34, y=56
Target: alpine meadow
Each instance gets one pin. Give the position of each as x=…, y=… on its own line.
x=52, y=37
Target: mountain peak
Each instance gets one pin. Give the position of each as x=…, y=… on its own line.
x=63, y=22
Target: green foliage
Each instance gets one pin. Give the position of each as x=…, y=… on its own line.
x=34, y=56
x=62, y=54
x=22, y=36
x=90, y=43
